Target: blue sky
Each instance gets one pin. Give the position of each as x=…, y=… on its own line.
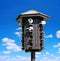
x=10, y=38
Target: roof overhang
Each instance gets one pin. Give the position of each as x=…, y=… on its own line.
x=32, y=13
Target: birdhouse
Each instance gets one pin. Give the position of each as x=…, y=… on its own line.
x=32, y=23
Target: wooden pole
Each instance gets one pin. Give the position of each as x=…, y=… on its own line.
x=32, y=55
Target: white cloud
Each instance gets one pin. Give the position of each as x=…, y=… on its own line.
x=19, y=28
x=18, y=33
x=38, y=53
x=13, y=58
x=7, y=40
x=58, y=45
x=52, y=55
x=14, y=48
x=47, y=53
x=58, y=34
x=4, y=58
x=48, y=36
x=49, y=57
x=6, y=52
x=58, y=50
x=10, y=45
x=44, y=59
x=37, y=56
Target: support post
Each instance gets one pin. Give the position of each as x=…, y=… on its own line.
x=32, y=55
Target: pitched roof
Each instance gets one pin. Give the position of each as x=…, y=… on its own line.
x=32, y=13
